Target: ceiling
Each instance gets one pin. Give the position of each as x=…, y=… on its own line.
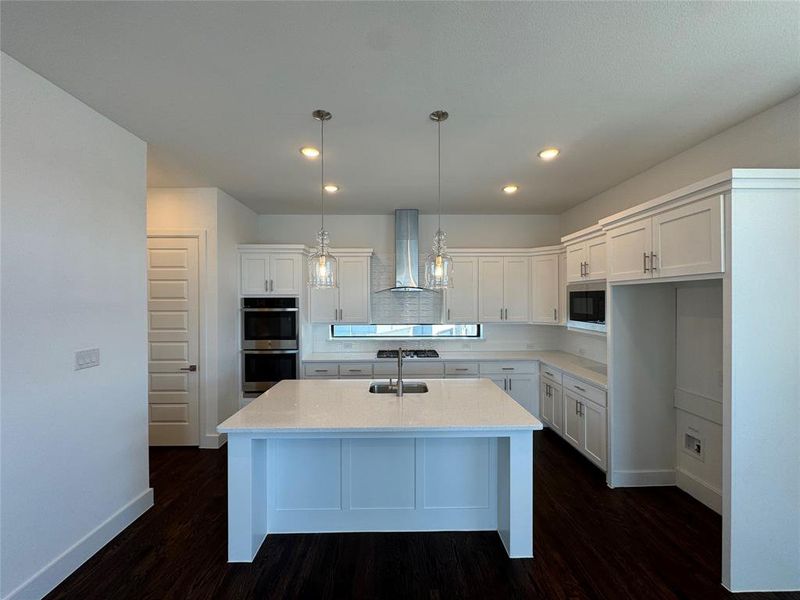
x=223, y=91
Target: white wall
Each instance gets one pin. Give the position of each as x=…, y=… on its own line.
x=236, y=224
x=226, y=223
x=770, y=139
x=74, y=443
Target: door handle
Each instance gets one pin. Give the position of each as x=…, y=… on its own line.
x=509, y=385
x=501, y=314
x=191, y=368
x=335, y=314
x=448, y=314
x=586, y=269
x=506, y=314
x=505, y=385
x=340, y=314
x=644, y=262
x=266, y=285
x=653, y=257
x=555, y=314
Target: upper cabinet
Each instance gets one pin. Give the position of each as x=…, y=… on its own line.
x=545, y=290
x=586, y=255
x=503, y=289
x=277, y=272
x=461, y=300
x=349, y=302
x=679, y=241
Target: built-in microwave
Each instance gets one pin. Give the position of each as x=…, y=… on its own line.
x=587, y=306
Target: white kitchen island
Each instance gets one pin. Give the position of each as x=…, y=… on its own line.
x=329, y=456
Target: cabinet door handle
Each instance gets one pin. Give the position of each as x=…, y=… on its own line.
x=555, y=314
x=501, y=314
x=448, y=314
x=341, y=314
x=644, y=262
x=653, y=257
x=509, y=385
x=506, y=314
x=505, y=385
x=577, y=409
x=586, y=269
x=581, y=405
x=266, y=285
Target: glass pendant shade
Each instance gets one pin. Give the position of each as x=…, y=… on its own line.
x=321, y=264
x=439, y=264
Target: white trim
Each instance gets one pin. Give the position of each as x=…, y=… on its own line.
x=582, y=235
x=676, y=279
x=62, y=566
x=277, y=248
x=207, y=414
x=642, y=478
x=505, y=251
x=699, y=490
x=213, y=441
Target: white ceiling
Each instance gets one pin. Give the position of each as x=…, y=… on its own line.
x=223, y=91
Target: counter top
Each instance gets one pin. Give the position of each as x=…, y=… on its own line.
x=588, y=370
x=339, y=405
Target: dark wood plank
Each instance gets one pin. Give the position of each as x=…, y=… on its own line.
x=590, y=542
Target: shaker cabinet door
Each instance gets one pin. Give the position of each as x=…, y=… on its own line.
x=628, y=251
x=353, y=289
x=544, y=289
x=490, y=289
x=462, y=298
x=516, y=288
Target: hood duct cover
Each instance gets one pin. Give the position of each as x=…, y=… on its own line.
x=406, y=251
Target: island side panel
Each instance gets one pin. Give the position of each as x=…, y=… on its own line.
x=515, y=493
x=247, y=496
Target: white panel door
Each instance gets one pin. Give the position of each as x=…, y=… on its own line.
x=490, y=289
x=286, y=274
x=596, y=258
x=255, y=274
x=544, y=289
x=576, y=256
x=516, y=289
x=462, y=298
x=628, y=251
x=353, y=289
x=594, y=433
x=173, y=346
x=522, y=388
x=323, y=305
x=573, y=422
x=688, y=240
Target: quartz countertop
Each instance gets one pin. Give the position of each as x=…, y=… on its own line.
x=588, y=370
x=338, y=405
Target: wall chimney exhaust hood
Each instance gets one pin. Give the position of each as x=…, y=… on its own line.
x=406, y=252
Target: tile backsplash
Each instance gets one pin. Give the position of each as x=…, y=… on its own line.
x=389, y=308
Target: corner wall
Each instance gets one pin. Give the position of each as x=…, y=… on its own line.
x=770, y=139
x=74, y=443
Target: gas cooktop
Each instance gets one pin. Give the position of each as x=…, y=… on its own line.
x=409, y=354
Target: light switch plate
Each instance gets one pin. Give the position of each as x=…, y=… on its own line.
x=85, y=359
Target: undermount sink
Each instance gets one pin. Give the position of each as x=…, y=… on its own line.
x=409, y=387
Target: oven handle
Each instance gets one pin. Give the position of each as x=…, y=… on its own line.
x=270, y=351
x=270, y=309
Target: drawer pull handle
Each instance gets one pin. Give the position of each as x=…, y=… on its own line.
x=354, y=370
x=549, y=373
x=320, y=370
x=462, y=369
x=577, y=387
x=508, y=368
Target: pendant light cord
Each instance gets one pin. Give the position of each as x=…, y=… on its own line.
x=322, y=171
x=439, y=167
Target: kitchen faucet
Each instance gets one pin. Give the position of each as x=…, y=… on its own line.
x=399, y=371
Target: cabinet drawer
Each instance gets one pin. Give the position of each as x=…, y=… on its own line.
x=355, y=369
x=508, y=368
x=321, y=370
x=461, y=369
x=554, y=375
x=434, y=370
x=585, y=390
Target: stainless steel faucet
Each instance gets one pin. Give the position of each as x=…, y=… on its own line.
x=399, y=371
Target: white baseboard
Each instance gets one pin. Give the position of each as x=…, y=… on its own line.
x=213, y=441
x=700, y=490
x=53, y=573
x=643, y=478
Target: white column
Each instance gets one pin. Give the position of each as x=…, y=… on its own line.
x=515, y=493
x=247, y=496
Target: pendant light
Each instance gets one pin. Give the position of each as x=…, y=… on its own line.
x=321, y=265
x=439, y=264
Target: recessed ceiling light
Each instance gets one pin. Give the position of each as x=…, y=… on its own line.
x=331, y=188
x=309, y=152
x=510, y=189
x=549, y=153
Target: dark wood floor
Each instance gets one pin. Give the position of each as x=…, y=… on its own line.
x=590, y=542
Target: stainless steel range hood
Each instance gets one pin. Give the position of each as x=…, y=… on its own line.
x=406, y=252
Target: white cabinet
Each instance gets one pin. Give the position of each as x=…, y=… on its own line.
x=503, y=288
x=551, y=405
x=586, y=259
x=562, y=289
x=545, y=296
x=347, y=303
x=518, y=380
x=685, y=240
x=271, y=273
x=462, y=298
x=585, y=426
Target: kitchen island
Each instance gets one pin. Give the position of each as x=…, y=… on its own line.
x=329, y=456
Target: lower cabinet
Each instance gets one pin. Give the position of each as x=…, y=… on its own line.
x=551, y=405
x=518, y=380
x=585, y=427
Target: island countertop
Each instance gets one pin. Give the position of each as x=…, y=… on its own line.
x=330, y=405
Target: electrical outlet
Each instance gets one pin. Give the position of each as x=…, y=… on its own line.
x=85, y=359
x=693, y=444
x=347, y=345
